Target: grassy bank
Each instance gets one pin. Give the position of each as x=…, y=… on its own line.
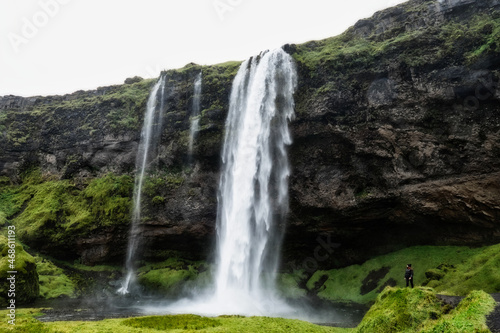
x=419, y=310
x=448, y=269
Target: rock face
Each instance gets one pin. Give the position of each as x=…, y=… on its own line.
x=396, y=141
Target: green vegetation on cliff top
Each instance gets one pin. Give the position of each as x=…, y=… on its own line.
x=476, y=37
x=333, y=65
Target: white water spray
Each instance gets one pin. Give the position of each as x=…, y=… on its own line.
x=195, y=114
x=149, y=138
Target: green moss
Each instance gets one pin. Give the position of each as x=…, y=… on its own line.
x=288, y=284
x=109, y=199
x=401, y=310
x=58, y=211
x=53, y=282
x=165, y=280
x=157, y=200
x=169, y=276
x=26, y=278
x=3, y=121
x=159, y=185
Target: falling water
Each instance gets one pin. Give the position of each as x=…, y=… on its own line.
x=149, y=137
x=253, y=193
x=195, y=114
x=253, y=189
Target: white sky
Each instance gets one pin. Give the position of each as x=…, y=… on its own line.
x=60, y=46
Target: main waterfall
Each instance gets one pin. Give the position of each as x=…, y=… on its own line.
x=253, y=193
x=253, y=188
x=149, y=138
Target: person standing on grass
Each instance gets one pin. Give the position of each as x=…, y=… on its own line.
x=409, y=275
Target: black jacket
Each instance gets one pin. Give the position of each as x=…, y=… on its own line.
x=408, y=273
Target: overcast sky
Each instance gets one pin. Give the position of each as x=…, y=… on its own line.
x=60, y=46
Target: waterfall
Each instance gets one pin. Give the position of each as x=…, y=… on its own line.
x=252, y=196
x=151, y=130
x=195, y=114
x=253, y=188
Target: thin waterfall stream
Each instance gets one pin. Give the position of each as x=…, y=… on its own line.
x=149, y=139
x=195, y=114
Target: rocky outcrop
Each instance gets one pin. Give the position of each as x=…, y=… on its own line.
x=396, y=142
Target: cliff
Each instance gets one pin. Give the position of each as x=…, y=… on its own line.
x=396, y=142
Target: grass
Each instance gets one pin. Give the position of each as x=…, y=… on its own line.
x=395, y=310
x=479, y=271
x=345, y=284
x=185, y=322
x=400, y=310
x=26, y=322
x=418, y=310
